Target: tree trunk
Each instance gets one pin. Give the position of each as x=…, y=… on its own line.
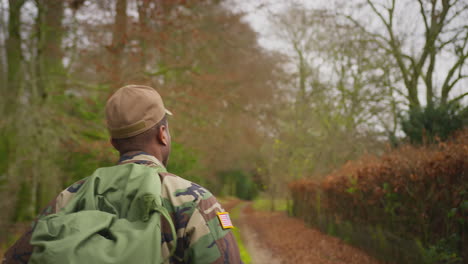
x=143, y=6
x=50, y=82
x=119, y=37
x=14, y=56
x=50, y=32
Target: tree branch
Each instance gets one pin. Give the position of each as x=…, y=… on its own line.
x=448, y=21
x=378, y=13
x=447, y=86
x=458, y=98
x=451, y=40
x=423, y=13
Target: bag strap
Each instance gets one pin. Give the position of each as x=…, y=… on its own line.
x=163, y=211
x=174, y=234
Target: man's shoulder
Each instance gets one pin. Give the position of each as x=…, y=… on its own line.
x=196, y=212
x=66, y=195
x=187, y=197
x=176, y=187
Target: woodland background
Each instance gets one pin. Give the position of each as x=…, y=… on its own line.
x=351, y=80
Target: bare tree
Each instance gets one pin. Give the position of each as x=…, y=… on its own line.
x=445, y=32
x=336, y=95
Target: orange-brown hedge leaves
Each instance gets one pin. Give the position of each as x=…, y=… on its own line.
x=415, y=193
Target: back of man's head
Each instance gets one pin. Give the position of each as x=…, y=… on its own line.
x=134, y=109
x=136, y=117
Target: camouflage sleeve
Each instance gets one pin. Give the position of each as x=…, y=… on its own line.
x=201, y=237
x=21, y=251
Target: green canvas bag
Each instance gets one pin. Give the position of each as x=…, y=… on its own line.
x=115, y=217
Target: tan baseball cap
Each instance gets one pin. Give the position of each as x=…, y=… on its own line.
x=133, y=109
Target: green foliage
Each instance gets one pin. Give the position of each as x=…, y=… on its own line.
x=184, y=162
x=23, y=204
x=238, y=183
x=86, y=115
x=391, y=201
x=88, y=147
x=439, y=121
x=79, y=165
x=244, y=254
x=353, y=186
x=5, y=151
x=266, y=205
x=443, y=251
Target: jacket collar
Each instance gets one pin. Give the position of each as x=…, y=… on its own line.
x=140, y=157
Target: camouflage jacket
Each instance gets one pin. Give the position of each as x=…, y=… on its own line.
x=200, y=235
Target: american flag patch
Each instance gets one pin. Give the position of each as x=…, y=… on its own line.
x=225, y=220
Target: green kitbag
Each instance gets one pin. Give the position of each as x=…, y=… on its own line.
x=115, y=217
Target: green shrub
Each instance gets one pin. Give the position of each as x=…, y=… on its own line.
x=426, y=125
x=239, y=184
x=185, y=163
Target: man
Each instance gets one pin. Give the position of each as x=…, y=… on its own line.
x=137, y=121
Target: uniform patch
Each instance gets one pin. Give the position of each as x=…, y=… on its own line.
x=225, y=220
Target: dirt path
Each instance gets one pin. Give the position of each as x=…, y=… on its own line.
x=274, y=238
x=258, y=252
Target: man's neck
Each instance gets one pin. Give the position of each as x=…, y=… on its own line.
x=133, y=155
x=149, y=151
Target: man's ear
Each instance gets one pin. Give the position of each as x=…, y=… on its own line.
x=163, y=136
x=113, y=143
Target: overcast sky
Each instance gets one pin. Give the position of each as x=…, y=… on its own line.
x=258, y=12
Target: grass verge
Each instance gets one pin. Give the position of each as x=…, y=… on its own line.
x=280, y=205
x=244, y=254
